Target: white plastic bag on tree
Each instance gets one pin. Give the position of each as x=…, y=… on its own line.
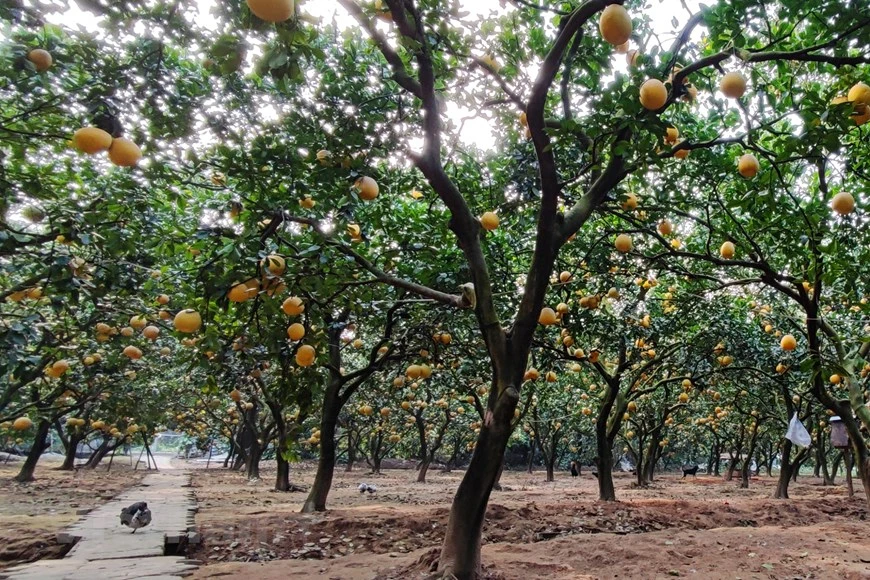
x=797, y=433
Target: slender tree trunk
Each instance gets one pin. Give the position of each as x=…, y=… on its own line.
x=316, y=501
x=847, y=456
x=69, y=457
x=835, y=467
x=785, y=469
x=252, y=466
x=532, y=449
x=282, y=476
x=351, y=449
x=606, y=489
x=98, y=455
x=40, y=444
x=497, y=485
x=424, y=468
x=551, y=467
x=460, y=552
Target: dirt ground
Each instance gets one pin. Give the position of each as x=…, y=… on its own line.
x=675, y=528
x=32, y=513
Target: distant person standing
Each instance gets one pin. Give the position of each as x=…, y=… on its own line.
x=575, y=470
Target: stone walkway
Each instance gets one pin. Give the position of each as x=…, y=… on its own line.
x=106, y=549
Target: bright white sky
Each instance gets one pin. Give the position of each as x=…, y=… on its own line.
x=476, y=131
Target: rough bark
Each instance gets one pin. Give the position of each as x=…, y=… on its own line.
x=69, y=457
x=316, y=501
x=421, y=474
x=40, y=444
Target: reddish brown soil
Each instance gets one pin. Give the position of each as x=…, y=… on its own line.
x=32, y=513
x=534, y=529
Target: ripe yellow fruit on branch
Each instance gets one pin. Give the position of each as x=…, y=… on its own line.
x=22, y=424
x=274, y=263
x=244, y=290
x=788, y=342
x=733, y=85
x=653, y=94
x=727, y=250
x=295, y=331
x=305, y=355
x=548, y=316
x=138, y=322
x=272, y=10
x=615, y=25
x=132, y=352
x=859, y=94
x=623, y=243
x=630, y=202
x=843, y=203
x=151, y=332
x=40, y=58
x=835, y=379
x=124, y=153
x=91, y=140
x=748, y=165
x=293, y=306
x=489, y=221
x=188, y=321
x=368, y=188
x=665, y=228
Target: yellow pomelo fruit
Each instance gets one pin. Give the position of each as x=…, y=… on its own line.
x=91, y=140
x=132, y=352
x=151, y=332
x=653, y=94
x=843, y=203
x=733, y=85
x=665, y=228
x=622, y=243
x=188, y=321
x=305, y=355
x=547, y=316
x=40, y=58
x=489, y=221
x=368, y=188
x=274, y=263
x=615, y=25
x=124, y=153
x=748, y=166
x=295, y=331
x=293, y=306
x=859, y=93
x=272, y=10
x=22, y=424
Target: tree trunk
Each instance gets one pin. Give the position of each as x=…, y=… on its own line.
x=732, y=467
x=551, y=469
x=316, y=501
x=40, y=444
x=69, y=458
x=351, y=449
x=252, y=465
x=497, y=484
x=282, y=476
x=424, y=467
x=785, y=468
x=835, y=467
x=98, y=455
x=460, y=552
x=606, y=489
x=847, y=456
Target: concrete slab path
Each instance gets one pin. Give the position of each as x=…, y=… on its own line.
x=106, y=549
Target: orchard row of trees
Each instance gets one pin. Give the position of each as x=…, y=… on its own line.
x=272, y=228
